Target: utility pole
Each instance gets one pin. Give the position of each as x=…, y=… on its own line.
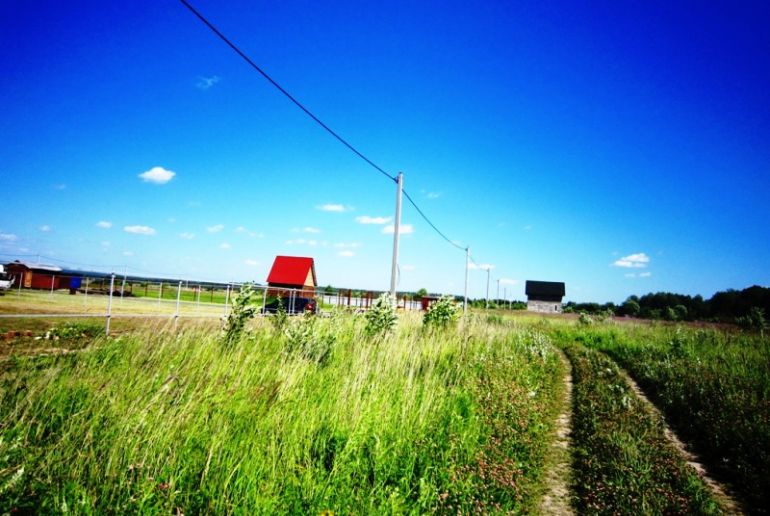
x=467, y=266
x=396, y=231
x=497, y=299
x=487, y=302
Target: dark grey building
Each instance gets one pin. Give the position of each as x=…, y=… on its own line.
x=544, y=296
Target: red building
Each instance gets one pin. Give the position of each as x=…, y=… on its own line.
x=37, y=275
x=292, y=272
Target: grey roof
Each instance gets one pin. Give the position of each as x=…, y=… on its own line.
x=545, y=288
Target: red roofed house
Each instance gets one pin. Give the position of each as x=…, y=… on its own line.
x=296, y=272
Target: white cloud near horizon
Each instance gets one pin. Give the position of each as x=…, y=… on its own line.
x=433, y=195
x=215, y=228
x=403, y=229
x=45, y=228
x=251, y=262
x=187, y=236
x=508, y=281
x=139, y=230
x=645, y=274
x=104, y=224
x=366, y=219
x=157, y=175
x=633, y=261
x=224, y=245
x=334, y=208
x=204, y=83
x=346, y=254
x=8, y=237
x=481, y=266
x=128, y=253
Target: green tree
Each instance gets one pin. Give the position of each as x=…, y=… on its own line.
x=422, y=292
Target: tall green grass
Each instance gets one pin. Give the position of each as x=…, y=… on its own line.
x=453, y=420
x=714, y=388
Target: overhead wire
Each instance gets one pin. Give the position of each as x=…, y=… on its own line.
x=288, y=95
x=282, y=90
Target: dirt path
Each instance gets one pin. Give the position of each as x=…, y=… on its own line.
x=556, y=499
x=719, y=491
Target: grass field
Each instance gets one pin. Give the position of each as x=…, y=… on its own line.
x=321, y=416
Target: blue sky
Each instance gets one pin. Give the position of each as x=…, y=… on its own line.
x=622, y=148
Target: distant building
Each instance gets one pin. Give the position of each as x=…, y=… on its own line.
x=37, y=275
x=294, y=272
x=544, y=296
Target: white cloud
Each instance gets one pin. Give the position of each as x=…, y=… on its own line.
x=347, y=245
x=645, y=274
x=312, y=242
x=204, y=83
x=405, y=268
x=309, y=229
x=224, y=245
x=104, y=224
x=433, y=195
x=633, y=261
x=481, y=266
x=128, y=253
x=346, y=254
x=508, y=281
x=45, y=228
x=366, y=219
x=403, y=229
x=629, y=275
x=215, y=228
x=298, y=241
x=187, y=236
x=139, y=230
x=254, y=234
x=251, y=262
x=336, y=208
x=8, y=237
x=157, y=175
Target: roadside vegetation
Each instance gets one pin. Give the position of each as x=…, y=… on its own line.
x=714, y=388
x=311, y=415
x=623, y=462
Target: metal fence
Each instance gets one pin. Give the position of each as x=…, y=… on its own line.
x=110, y=297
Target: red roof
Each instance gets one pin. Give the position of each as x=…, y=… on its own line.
x=291, y=270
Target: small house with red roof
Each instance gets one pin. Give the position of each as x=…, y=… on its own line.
x=292, y=272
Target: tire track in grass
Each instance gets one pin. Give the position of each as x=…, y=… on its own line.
x=719, y=491
x=623, y=463
x=556, y=499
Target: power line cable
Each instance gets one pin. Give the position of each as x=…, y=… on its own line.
x=409, y=198
x=282, y=90
x=316, y=119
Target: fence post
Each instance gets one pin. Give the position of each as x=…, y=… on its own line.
x=52, y=280
x=109, y=306
x=292, y=297
x=178, y=297
x=160, y=292
x=264, y=302
x=227, y=297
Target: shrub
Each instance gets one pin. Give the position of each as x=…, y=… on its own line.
x=585, y=319
x=442, y=313
x=381, y=318
x=281, y=318
x=243, y=309
x=307, y=341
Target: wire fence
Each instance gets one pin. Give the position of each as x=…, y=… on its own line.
x=61, y=296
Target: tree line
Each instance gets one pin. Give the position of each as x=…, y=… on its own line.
x=724, y=306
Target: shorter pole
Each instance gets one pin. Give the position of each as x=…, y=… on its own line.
x=160, y=291
x=178, y=297
x=109, y=306
x=52, y=280
x=227, y=298
x=85, y=299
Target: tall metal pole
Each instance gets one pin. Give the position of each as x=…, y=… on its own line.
x=396, y=231
x=497, y=299
x=123, y=285
x=467, y=266
x=487, y=303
